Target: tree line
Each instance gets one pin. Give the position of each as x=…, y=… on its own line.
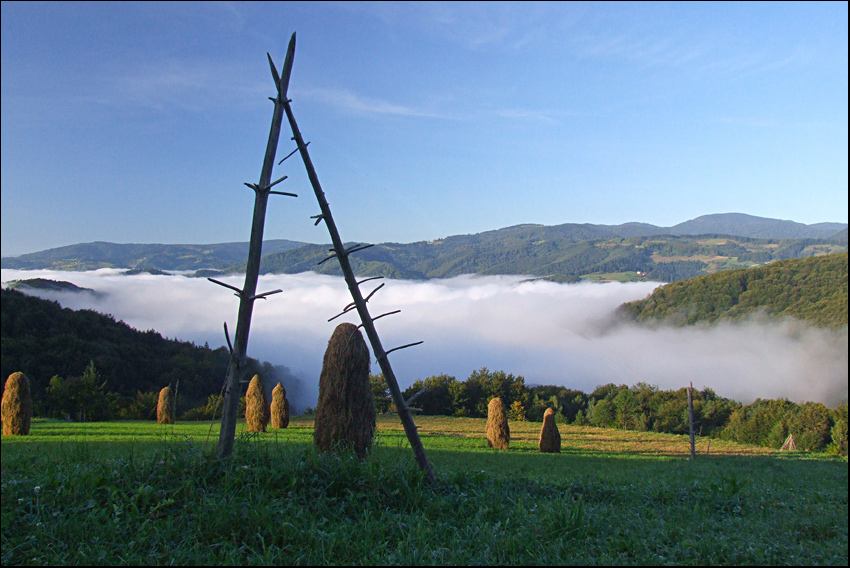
x=562, y=256
x=641, y=407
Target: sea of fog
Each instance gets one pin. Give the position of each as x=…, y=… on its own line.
x=559, y=334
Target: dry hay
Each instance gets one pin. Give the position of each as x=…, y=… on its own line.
x=16, y=406
x=550, y=438
x=256, y=409
x=498, y=431
x=345, y=413
x=165, y=407
x=280, y=407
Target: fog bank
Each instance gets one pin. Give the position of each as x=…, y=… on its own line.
x=561, y=334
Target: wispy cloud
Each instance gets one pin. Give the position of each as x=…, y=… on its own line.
x=348, y=102
x=353, y=103
x=471, y=25
x=732, y=57
x=521, y=114
x=182, y=85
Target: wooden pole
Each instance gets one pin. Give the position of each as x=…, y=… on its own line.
x=367, y=321
x=248, y=293
x=691, y=419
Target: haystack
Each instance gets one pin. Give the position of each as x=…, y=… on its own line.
x=550, y=438
x=345, y=413
x=256, y=409
x=165, y=407
x=16, y=406
x=498, y=431
x=789, y=444
x=280, y=407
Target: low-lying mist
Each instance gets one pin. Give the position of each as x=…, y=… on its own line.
x=559, y=334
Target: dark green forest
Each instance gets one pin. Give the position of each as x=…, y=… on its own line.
x=88, y=366
x=812, y=289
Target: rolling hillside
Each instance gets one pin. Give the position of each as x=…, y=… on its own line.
x=90, y=256
x=563, y=253
x=811, y=289
x=546, y=252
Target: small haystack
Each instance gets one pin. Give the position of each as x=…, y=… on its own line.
x=16, y=406
x=256, y=409
x=345, y=413
x=166, y=406
x=498, y=431
x=550, y=437
x=280, y=407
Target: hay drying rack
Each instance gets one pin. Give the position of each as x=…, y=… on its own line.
x=247, y=294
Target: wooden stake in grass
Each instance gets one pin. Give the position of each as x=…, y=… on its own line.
x=16, y=406
x=345, y=413
x=498, y=431
x=256, y=409
x=165, y=407
x=280, y=407
x=550, y=437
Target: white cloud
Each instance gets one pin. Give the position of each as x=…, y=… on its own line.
x=359, y=104
x=549, y=333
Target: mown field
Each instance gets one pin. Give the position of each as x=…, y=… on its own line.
x=141, y=493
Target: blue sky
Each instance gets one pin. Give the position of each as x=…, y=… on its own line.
x=140, y=122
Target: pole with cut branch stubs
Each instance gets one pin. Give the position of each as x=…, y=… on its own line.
x=341, y=254
x=248, y=293
x=691, y=419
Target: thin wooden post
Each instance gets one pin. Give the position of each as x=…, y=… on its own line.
x=341, y=254
x=248, y=293
x=691, y=419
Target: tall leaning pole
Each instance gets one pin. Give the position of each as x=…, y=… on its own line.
x=359, y=302
x=248, y=293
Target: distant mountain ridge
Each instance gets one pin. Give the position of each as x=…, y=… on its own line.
x=90, y=256
x=741, y=225
x=564, y=252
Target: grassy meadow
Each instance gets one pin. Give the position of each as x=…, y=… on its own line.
x=143, y=493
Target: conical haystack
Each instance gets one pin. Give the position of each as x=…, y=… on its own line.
x=256, y=409
x=345, y=413
x=16, y=406
x=165, y=407
x=550, y=438
x=789, y=444
x=498, y=431
x=280, y=407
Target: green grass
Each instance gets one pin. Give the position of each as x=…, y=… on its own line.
x=141, y=493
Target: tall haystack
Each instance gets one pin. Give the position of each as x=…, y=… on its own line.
x=345, y=413
x=16, y=406
x=256, y=409
x=280, y=407
x=165, y=407
x=498, y=431
x=550, y=438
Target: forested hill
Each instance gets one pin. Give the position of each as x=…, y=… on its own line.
x=554, y=253
x=91, y=256
x=812, y=289
x=564, y=253
x=43, y=340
